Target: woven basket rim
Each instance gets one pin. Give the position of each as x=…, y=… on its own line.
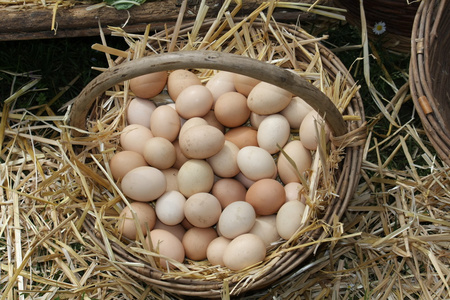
x=430, y=107
x=283, y=268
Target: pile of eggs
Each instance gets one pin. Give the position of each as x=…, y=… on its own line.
x=204, y=171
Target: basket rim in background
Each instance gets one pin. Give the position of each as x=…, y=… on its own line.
x=429, y=47
x=283, y=268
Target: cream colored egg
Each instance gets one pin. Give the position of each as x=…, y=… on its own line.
x=202, y=210
x=273, y=132
x=296, y=111
x=299, y=155
x=194, y=101
x=145, y=217
x=169, y=207
x=159, y=153
x=311, y=125
x=294, y=191
x=177, y=230
x=244, y=251
x=256, y=163
x=181, y=158
x=191, y=123
x=124, y=161
x=201, y=142
x=256, y=119
x=144, y=184
x=266, y=99
x=178, y=80
x=165, y=122
x=166, y=244
x=224, y=163
x=289, y=218
x=212, y=120
x=195, y=176
x=216, y=249
x=236, y=219
x=221, y=83
x=139, y=111
x=134, y=137
x=266, y=228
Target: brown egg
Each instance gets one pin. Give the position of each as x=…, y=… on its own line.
x=179, y=80
x=145, y=216
x=224, y=163
x=296, y=111
x=124, y=161
x=134, y=136
x=181, y=158
x=244, y=84
x=231, y=109
x=159, y=153
x=165, y=122
x=194, y=101
x=144, y=184
x=202, y=210
x=177, y=230
x=266, y=99
x=201, y=142
x=244, y=251
x=212, y=120
x=221, y=83
x=148, y=85
x=299, y=155
x=242, y=136
x=171, y=179
x=167, y=244
x=228, y=190
x=266, y=196
x=196, y=241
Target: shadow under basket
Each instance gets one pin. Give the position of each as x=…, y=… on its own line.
x=429, y=73
x=350, y=131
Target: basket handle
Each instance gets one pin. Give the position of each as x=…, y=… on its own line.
x=207, y=60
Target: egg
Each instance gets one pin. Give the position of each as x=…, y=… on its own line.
x=231, y=109
x=244, y=84
x=165, y=123
x=228, y=190
x=312, y=124
x=244, y=251
x=294, y=191
x=224, y=163
x=139, y=111
x=273, y=132
x=180, y=157
x=195, y=176
x=124, y=161
x=159, y=153
x=202, y=210
x=266, y=99
x=256, y=163
x=134, y=136
x=265, y=227
x=178, y=80
x=202, y=141
x=236, y=219
x=194, y=101
x=196, y=242
x=177, y=230
x=221, y=83
x=166, y=244
x=299, y=155
x=216, y=249
x=211, y=119
x=244, y=180
x=169, y=207
x=266, y=196
x=145, y=218
x=144, y=184
x=242, y=136
x=191, y=123
x=148, y=85
x=171, y=179
x=256, y=119
x=289, y=218
x=296, y=111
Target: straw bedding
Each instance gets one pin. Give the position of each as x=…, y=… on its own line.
x=392, y=241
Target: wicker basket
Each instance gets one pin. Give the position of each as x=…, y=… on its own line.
x=398, y=15
x=347, y=175
x=429, y=72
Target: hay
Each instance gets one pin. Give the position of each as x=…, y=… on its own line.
x=393, y=241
